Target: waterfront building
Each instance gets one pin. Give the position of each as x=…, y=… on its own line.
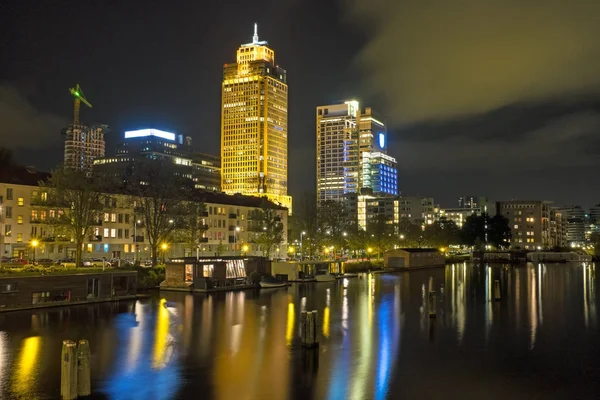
x=529, y=223
x=24, y=211
x=174, y=151
x=352, y=153
x=367, y=206
x=576, y=222
x=254, y=124
x=83, y=144
x=558, y=227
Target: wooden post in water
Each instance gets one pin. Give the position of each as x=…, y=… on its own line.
x=303, y=327
x=497, y=293
x=431, y=303
x=308, y=329
x=83, y=369
x=68, y=370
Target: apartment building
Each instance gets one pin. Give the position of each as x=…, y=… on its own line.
x=23, y=212
x=529, y=223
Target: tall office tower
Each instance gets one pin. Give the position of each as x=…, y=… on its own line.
x=337, y=151
x=254, y=125
x=352, y=153
x=83, y=144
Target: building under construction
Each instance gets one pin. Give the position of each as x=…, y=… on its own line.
x=83, y=143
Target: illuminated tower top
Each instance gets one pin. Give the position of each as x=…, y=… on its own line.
x=254, y=51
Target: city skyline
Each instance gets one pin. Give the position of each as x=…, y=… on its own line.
x=137, y=76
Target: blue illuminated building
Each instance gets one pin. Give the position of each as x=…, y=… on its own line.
x=379, y=173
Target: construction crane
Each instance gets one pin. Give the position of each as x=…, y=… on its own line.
x=79, y=98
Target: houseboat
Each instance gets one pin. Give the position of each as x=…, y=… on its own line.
x=213, y=274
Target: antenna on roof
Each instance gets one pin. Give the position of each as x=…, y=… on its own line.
x=255, y=37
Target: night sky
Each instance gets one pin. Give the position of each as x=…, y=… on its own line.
x=482, y=98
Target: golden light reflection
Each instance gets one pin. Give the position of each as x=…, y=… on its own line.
x=25, y=373
x=326, y=322
x=3, y=356
x=289, y=331
x=161, y=335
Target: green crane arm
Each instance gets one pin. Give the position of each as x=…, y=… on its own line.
x=78, y=94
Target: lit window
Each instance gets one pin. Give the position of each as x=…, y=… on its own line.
x=20, y=219
x=516, y=226
x=19, y=237
x=106, y=232
x=113, y=233
x=20, y=202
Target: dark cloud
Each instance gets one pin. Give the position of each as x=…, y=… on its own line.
x=443, y=59
x=25, y=126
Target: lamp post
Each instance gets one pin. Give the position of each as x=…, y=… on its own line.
x=245, y=249
x=164, y=249
x=302, y=248
x=135, y=245
x=34, y=244
x=235, y=231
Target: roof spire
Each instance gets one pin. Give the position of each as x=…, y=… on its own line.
x=255, y=37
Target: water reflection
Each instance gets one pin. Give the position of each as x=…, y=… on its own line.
x=376, y=339
x=27, y=367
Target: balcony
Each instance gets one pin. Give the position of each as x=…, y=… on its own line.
x=204, y=240
x=232, y=216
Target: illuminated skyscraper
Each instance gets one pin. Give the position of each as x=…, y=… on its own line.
x=351, y=153
x=254, y=124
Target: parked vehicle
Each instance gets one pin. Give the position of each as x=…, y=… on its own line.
x=20, y=261
x=95, y=262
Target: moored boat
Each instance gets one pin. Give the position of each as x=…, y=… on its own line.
x=324, y=276
x=268, y=283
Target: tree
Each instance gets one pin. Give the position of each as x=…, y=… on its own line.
x=381, y=234
x=307, y=216
x=498, y=233
x=473, y=230
x=441, y=233
x=479, y=230
x=193, y=225
x=266, y=223
x=158, y=199
x=76, y=201
x=333, y=221
x=410, y=235
x=358, y=241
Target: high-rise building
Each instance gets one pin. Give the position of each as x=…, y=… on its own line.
x=141, y=146
x=83, y=144
x=254, y=124
x=352, y=153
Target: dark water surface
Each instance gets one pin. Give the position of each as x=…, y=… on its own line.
x=541, y=341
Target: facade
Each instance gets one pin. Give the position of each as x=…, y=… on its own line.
x=529, y=223
x=23, y=212
x=337, y=151
x=254, y=125
x=558, y=227
x=575, y=224
x=206, y=171
x=369, y=206
x=459, y=215
x=379, y=173
x=352, y=153
x=83, y=144
x=174, y=151
x=417, y=210
x=473, y=202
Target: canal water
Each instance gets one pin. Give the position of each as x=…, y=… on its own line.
x=377, y=341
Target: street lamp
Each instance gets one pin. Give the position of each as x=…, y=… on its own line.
x=135, y=245
x=301, y=248
x=237, y=229
x=164, y=247
x=245, y=248
x=34, y=244
x=401, y=237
